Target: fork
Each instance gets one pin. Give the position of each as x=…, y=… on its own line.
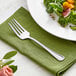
x=24, y=34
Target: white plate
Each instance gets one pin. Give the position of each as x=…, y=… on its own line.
x=38, y=12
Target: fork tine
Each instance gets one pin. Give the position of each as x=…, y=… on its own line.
x=13, y=29
x=19, y=24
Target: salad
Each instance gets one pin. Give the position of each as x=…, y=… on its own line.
x=65, y=9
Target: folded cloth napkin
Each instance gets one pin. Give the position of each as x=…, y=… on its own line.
x=35, y=52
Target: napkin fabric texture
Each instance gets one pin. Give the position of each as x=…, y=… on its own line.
x=35, y=52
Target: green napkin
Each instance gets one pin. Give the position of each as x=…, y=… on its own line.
x=35, y=52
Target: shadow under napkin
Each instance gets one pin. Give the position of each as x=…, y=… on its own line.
x=34, y=51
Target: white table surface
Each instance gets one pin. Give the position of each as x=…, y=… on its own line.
x=7, y=8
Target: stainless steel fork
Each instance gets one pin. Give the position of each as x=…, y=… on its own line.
x=24, y=34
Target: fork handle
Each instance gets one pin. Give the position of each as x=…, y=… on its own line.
x=53, y=53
